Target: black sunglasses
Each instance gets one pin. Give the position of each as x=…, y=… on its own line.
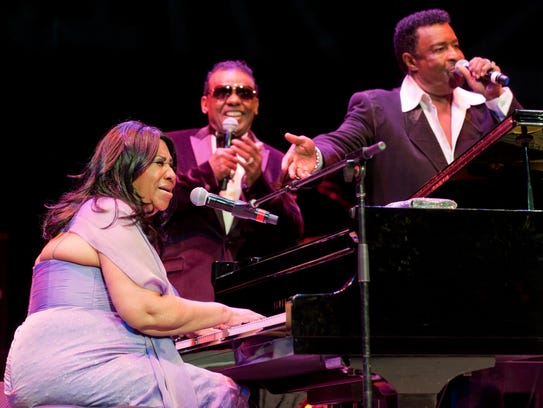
x=245, y=93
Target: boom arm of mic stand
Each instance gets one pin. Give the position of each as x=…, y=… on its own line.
x=351, y=160
x=296, y=184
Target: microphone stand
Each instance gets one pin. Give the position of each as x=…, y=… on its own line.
x=363, y=274
x=524, y=139
x=353, y=165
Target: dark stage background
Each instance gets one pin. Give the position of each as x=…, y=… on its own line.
x=72, y=69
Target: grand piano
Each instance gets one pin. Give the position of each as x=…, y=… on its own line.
x=453, y=292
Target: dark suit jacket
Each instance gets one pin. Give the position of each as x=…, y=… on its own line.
x=412, y=155
x=196, y=233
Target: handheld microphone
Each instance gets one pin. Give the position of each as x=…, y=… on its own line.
x=491, y=75
x=229, y=126
x=200, y=196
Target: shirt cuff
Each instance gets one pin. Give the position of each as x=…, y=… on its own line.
x=318, y=160
x=500, y=105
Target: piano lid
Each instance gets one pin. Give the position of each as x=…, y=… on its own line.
x=503, y=170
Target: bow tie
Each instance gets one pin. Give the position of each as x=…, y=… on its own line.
x=220, y=139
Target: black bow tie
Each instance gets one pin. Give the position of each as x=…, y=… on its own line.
x=220, y=139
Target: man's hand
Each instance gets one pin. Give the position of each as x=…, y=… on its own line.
x=249, y=157
x=475, y=75
x=300, y=159
x=223, y=162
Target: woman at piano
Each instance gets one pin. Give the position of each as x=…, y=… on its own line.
x=102, y=313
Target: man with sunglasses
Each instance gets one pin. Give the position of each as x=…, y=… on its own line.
x=243, y=168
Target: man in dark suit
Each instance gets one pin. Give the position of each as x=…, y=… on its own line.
x=426, y=123
x=242, y=169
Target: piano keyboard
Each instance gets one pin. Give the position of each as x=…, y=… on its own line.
x=242, y=329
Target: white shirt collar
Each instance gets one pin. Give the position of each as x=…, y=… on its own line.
x=411, y=95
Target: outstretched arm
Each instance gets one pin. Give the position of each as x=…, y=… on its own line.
x=300, y=159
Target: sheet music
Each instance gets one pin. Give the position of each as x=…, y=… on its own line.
x=216, y=337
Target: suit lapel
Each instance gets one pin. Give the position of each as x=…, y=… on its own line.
x=419, y=130
x=471, y=130
x=201, y=145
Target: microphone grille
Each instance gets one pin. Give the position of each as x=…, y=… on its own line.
x=198, y=196
x=229, y=125
x=462, y=63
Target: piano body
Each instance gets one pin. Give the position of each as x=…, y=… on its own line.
x=451, y=292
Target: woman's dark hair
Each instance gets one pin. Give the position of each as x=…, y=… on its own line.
x=119, y=158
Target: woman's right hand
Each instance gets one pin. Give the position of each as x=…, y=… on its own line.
x=239, y=316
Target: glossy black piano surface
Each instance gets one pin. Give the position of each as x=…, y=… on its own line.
x=441, y=281
x=266, y=284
